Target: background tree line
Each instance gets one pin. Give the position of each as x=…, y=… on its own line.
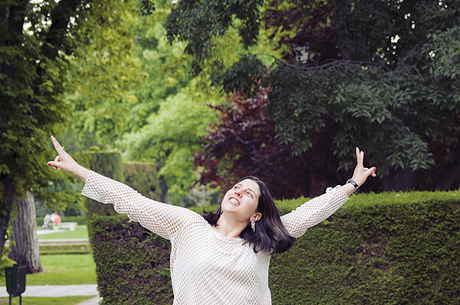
x=379, y=74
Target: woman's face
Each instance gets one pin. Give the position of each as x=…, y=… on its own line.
x=241, y=201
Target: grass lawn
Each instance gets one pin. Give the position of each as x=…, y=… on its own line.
x=80, y=232
x=47, y=301
x=60, y=269
x=68, y=269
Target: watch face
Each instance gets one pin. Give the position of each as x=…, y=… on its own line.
x=352, y=182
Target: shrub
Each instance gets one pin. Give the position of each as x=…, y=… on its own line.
x=142, y=177
x=107, y=163
x=132, y=264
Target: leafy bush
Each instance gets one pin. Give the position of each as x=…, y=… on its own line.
x=376, y=252
x=142, y=177
x=107, y=163
x=132, y=264
x=65, y=249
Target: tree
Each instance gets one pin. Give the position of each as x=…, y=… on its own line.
x=168, y=120
x=379, y=74
x=24, y=249
x=243, y=142
x=170, y=139
x=37, y=41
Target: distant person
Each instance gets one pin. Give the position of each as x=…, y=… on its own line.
x=46, y=221
x=56, y=219
x=220, y=257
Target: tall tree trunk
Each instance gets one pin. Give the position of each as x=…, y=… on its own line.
x=399, y=181
x=26, y=251
x=6, y=206
x=445, y=178
x=448, y=174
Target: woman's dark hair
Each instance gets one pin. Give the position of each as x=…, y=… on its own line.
x=270, y=234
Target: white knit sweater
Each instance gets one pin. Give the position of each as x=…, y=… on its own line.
x=206, y=267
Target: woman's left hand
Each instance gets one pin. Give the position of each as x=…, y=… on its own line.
x=361, y=173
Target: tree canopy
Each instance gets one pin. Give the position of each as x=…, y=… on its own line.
x=381, y=75
x=39, y=43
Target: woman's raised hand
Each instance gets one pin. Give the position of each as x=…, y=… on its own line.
x=361, y=173
x=63, y=160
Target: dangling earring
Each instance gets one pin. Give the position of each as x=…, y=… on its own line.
x=253, y=225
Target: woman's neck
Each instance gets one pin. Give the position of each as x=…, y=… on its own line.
x=229, y=228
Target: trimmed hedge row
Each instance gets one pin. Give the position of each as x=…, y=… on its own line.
x=390, y=254
x=142, y=177
x=109, y=164
x=132, y=264
x=401, y=253
x=65, y=249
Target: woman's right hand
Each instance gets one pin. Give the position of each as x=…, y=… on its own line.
x=64, y=161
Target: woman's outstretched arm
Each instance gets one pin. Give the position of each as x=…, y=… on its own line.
x=64, y=161
x=316, y=210
x=162, y=219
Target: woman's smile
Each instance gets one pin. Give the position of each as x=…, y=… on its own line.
x=233, y=201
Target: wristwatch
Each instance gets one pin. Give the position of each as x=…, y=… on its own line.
x=353, y=182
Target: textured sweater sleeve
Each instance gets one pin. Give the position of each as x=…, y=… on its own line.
x=313, y=211
x=160, y=218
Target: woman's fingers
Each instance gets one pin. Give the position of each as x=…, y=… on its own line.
x=57, y=161
x=62, y=160
x=361, y=173
x=373, y=174
x=57, y=146
x=59, y=150
x=359, y=157
x=54, y=163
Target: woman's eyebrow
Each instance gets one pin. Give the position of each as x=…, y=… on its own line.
x=239, y=184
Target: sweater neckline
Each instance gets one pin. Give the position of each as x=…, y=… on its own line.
x=224, y=238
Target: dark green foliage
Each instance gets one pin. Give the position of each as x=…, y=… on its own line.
x=391, y=248
x=381, y=75
x=383, y=254
x=132, y=264
x=243, y=75
x=44, y=46
x=198, y=22
x=142, y=177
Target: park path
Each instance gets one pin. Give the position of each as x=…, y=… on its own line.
x=59, y=291
x=56, y=290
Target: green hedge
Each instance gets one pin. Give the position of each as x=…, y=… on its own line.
x=107, y=163
x=142, y=177
x=132, y=264
x=378, y=249
x=382, y=254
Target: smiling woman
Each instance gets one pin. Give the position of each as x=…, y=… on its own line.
x=221, y=257
x=250, y=201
